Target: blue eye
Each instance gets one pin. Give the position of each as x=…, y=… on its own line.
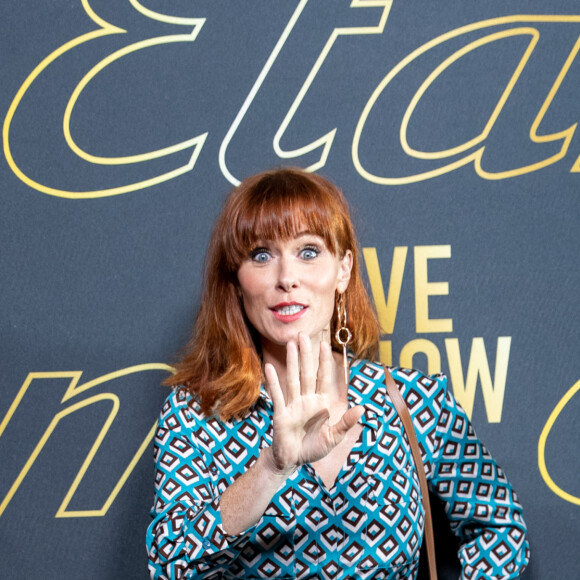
x=309, y=253
x=260, y=255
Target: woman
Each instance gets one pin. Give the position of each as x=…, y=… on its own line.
x=278, y=456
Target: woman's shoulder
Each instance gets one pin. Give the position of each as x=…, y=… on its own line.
x=420, y=390
x=405, y=376
x=178, y=398
x=412, y=383
x=180, y=409
x=418, y=379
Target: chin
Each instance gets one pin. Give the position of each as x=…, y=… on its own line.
x=314, y=335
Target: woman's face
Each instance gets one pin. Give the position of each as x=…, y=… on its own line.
x=288, y=286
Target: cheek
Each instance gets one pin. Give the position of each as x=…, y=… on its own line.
x=326, y=282
x=326, y=289
x=251, y=287
x=246, y=281
x=249, y=303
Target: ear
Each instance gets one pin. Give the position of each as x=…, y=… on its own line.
x=344, y=270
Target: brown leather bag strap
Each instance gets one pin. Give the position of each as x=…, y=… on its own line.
x=405, y=416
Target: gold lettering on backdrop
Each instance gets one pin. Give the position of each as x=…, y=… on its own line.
x=386, y=310
x=386, y=352
x=423, y=346
x=424, y=289
x=195, y=144
x=464, y=387
x=478, y=366
x=471, y=151
x=474, y=148
x=254, y=91
x=542, y=446
x=324, y=143
x=74, y=389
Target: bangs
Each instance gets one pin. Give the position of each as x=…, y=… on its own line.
x=281, y=207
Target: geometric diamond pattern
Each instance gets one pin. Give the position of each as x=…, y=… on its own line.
x=368, y=525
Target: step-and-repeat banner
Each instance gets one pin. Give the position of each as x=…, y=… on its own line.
x=451, y=127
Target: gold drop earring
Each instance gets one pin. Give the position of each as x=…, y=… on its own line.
x=343, y=335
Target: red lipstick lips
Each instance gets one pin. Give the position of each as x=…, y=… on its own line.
x=288, y=311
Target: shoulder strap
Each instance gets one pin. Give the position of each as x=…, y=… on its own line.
x=405, y=416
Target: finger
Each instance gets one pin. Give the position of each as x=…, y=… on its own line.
x=325, y=368
x=274, y=388
x=307, y=376
x=292, y=372
x=346, y=422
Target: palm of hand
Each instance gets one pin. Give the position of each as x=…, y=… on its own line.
x=302, y=429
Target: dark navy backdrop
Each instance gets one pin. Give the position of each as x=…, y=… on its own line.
x=451, y=127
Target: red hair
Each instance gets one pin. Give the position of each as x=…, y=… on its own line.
x=222, y=368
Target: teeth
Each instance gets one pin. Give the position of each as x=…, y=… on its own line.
x=289, y=310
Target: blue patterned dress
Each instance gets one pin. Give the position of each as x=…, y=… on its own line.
x=368, y=525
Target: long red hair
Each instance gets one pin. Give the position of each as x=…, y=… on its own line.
x=221, y=367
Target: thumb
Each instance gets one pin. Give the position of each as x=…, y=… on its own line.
x=347, y=422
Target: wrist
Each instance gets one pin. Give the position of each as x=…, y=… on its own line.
x=274, y=467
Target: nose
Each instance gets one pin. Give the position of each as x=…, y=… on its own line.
x=287, y=275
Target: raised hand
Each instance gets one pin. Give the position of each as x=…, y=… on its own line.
x=302, y=429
